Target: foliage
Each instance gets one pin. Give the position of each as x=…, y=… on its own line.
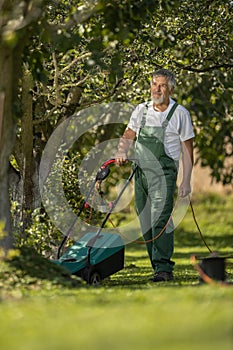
x=25, y=270
x=41, y=236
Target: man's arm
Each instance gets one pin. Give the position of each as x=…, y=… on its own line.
x=187, y=161
x=124, y=145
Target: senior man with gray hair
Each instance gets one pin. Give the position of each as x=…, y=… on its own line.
x=163, y=131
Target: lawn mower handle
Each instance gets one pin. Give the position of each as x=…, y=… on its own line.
x=113, y=160
x=104, y=170
x=102, y=173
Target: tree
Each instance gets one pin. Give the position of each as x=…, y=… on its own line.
x=16, y=23
x=23, y=21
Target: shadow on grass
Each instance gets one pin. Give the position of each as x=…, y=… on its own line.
x=134, y=281
x=137, y=271
x=193, y=238
x=139, y=278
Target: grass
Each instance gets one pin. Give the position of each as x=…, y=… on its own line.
x=42, y=308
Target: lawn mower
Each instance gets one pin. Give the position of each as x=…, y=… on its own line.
x=96, y=255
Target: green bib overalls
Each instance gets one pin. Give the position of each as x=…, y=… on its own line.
x=155, y=184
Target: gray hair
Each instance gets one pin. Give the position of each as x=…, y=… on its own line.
x=168, y=75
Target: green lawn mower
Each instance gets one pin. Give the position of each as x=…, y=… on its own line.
x=96, y=255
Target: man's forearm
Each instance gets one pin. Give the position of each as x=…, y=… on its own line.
x=124, y=145
x=187, y=162
x=187, y=159
x=126, y=141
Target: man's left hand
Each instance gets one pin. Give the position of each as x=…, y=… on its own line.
x=184, y=190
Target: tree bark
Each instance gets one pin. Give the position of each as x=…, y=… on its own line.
x=28, y=163
x=7, y=131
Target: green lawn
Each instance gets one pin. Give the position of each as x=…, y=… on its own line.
x=127, y=311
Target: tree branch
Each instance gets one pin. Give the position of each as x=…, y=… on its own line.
x=22, y=16
x=46, y=117
x=75, y=84
x=81, y=15
x=111, y=93
x=204, y=69
x=55, y=80
x=79, y=58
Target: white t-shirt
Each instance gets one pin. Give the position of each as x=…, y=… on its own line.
x=179, y=128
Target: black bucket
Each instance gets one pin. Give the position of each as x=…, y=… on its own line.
x=214, y=267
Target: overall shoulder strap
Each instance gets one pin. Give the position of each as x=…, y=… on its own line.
x=172, y=110
x=145, y=109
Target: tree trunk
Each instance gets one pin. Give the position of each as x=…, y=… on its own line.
x=26, y=183
x=7, y=131
x=28, y=163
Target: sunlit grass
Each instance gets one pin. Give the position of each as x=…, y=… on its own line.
x=127, y=311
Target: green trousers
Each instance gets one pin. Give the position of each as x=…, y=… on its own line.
x=154, y=195
x=155, y=184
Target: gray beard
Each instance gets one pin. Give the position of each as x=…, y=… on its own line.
x=158, y=101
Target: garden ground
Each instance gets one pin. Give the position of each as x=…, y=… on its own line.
x=127, y=311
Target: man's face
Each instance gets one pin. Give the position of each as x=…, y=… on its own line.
x=160, y=90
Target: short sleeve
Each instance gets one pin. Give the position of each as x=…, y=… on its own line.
x=185, y=125
x=136, y=117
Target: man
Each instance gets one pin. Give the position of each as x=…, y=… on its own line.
x=163, y=131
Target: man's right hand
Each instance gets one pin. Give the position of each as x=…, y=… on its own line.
x=124, y=145
x=120, y=158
